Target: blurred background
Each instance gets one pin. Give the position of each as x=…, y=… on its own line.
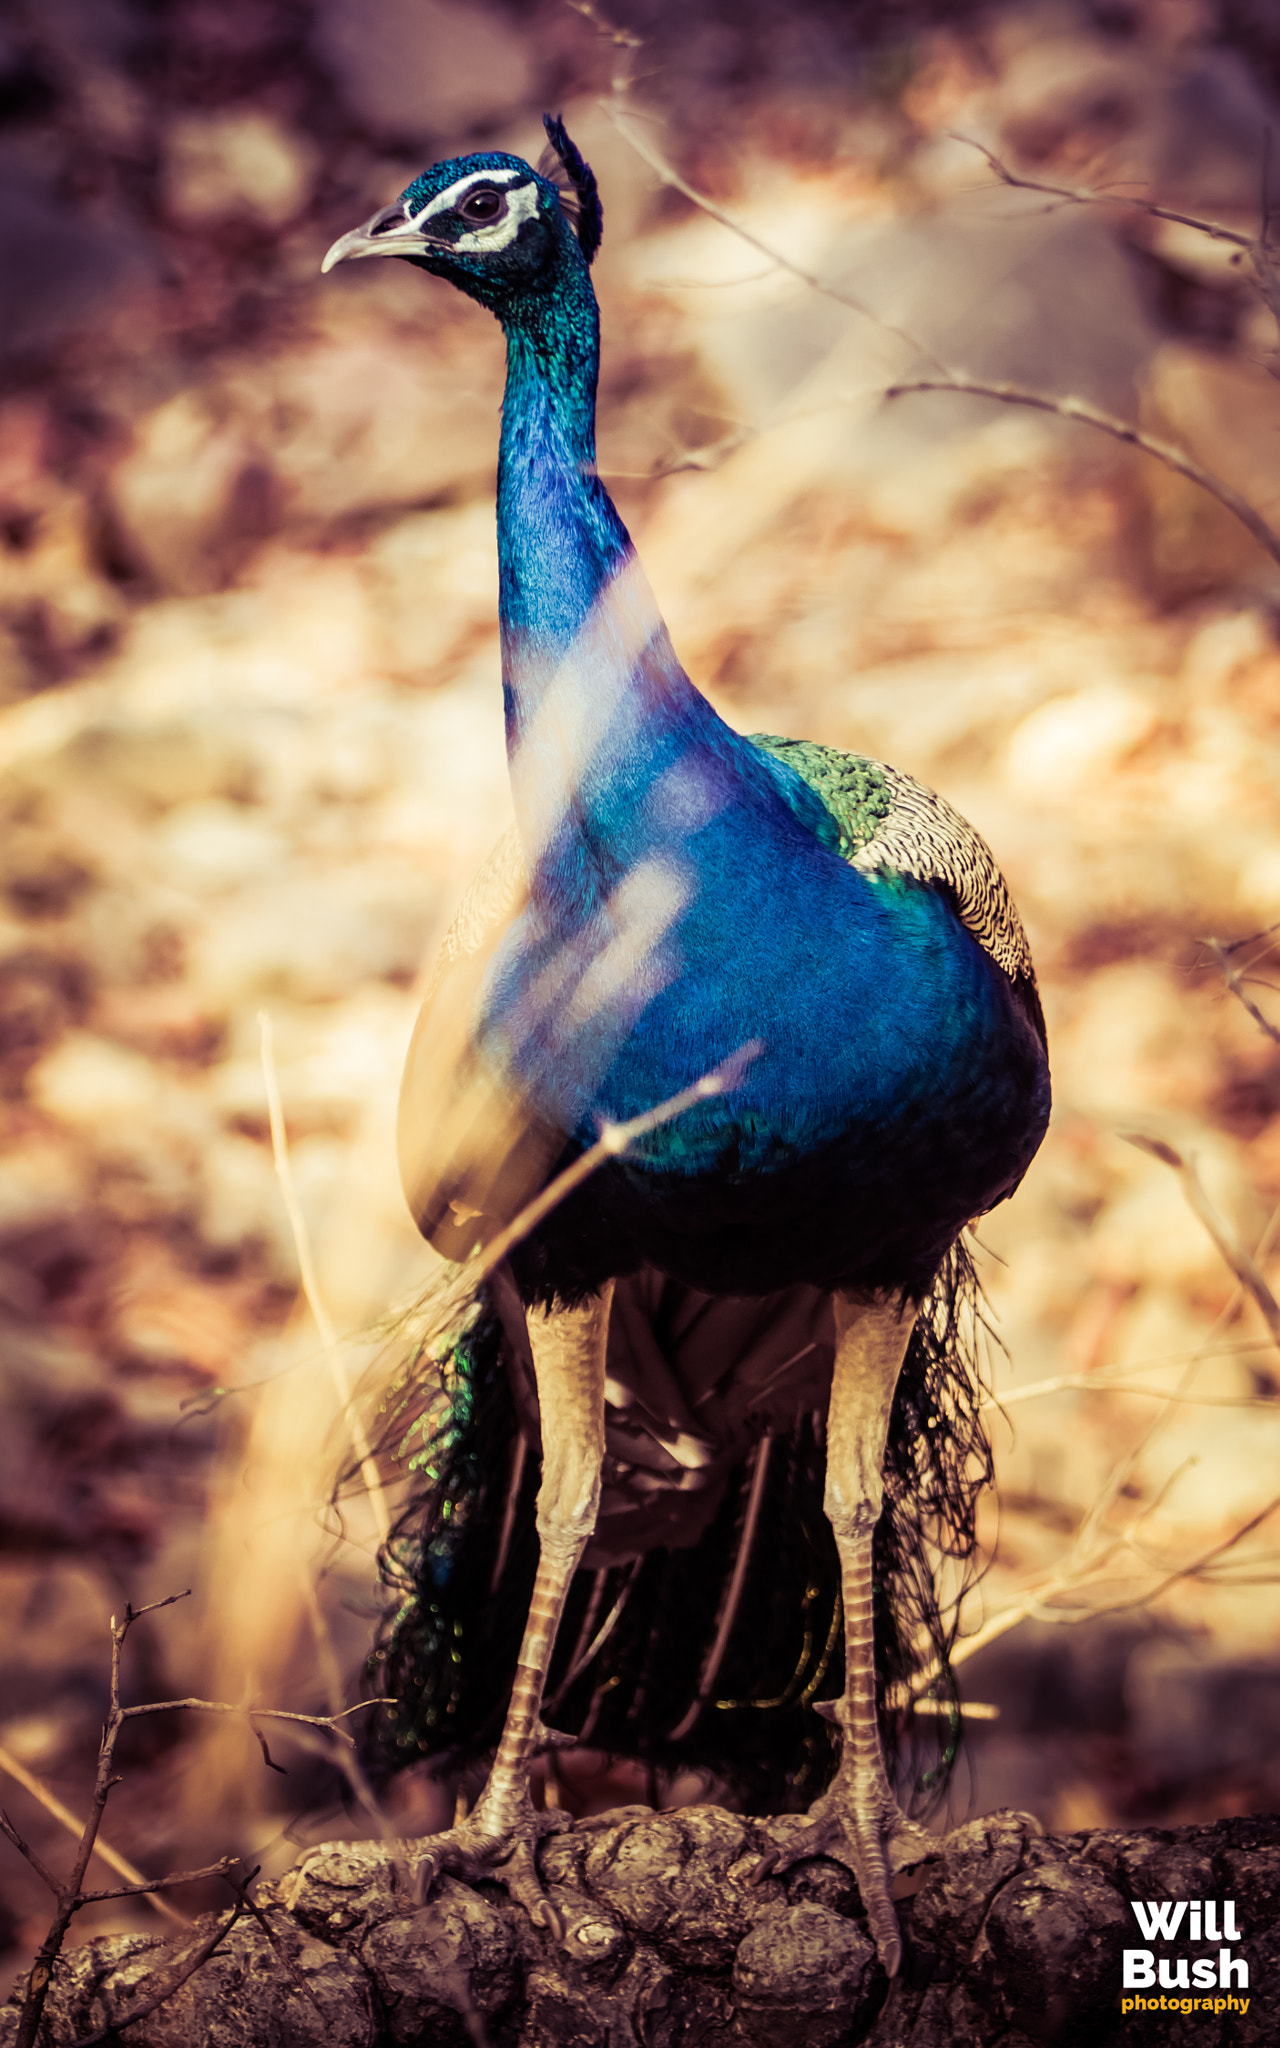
x=251, y=751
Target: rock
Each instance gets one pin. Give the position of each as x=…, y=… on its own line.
x=1056, y=1935
x=41, y=992
x=235, y=164
x=445, y=1969
x=1133, y=1047
x=241, y=1204
x=90, y=1083
x=804, y=1978
x=409, y=69
x=650, y=1874
x=432, y=581
x=40, y=1187
x=975, y=1861
x=1187, y=123
x=57, y=610
x=146, y=1131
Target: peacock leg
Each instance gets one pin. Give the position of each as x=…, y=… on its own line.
x=858, y=1820
x=499, y=1837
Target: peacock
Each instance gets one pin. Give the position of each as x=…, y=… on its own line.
x=707, y=1411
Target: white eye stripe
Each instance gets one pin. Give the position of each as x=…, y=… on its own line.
x=453, y=194
x=499, y=234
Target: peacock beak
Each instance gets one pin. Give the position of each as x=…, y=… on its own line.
x=386, y=234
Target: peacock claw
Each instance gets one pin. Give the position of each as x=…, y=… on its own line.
x=863, y=1828
x=505, y=1855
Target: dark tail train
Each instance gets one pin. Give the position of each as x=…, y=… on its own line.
x=709, y=1656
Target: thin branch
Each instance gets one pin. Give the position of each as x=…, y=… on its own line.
x=1084, y=195
x=155, y=1884
x=1098, y=1383
x=348, y=1759
x=311, y=1289
x=1235, y=981
x=75, y=1825
x=946, y=379
x=281, y=1952
x=326, y=1721
x=1241, y=1262
x=1035, y=1601
x=1107, y=423
x=24, y=1848
x=614, y=1140
x=179, y=1972
x=1079, y=1568
x=1260, y=249
x=69, y=1895
x=621, y=115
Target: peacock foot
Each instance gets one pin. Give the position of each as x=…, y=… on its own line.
x=499, y=1841
x=858, y=1823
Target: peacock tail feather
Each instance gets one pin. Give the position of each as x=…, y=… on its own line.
x=633, y=1644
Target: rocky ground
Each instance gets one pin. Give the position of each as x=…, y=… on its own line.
x=251, y=750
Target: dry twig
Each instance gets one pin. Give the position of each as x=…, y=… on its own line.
x=75, y=1825
x=162, y=1983
x=943, y=377
x=615, y=1139
x=1260, y=249
x=1236, y=977
x=70, y=1894
x=1236, y=1256
x=1172, y=457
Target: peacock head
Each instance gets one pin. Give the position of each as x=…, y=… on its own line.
x=503, y=232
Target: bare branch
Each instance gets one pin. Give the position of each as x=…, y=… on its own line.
x=1242, y=1263
x=70, y=1895
x=1099, y=1383
x=155, y=1884
x=281, y=1952
x=326, y=1721
x=165, y=1982
x=614, y=1140
x=1235, y=981
x=1259, y=249
x=672, y=178
x=24, y=1849
x=132, y=1614
x=1121, y=430
x=74, y=1824
x=1084, y=195
x=348, y=1759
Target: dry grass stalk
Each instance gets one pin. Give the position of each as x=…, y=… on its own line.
x=310, y=1286
x=75, y=1824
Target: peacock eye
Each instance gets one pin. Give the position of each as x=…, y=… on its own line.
x=483, y=205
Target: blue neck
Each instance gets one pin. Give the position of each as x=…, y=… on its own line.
x=559, y=537
x=612, y=750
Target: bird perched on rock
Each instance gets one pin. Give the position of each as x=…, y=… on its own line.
x=752, y=1313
